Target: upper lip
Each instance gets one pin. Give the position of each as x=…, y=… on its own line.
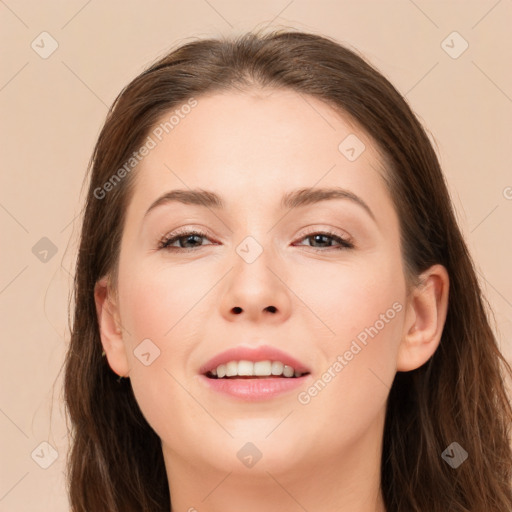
x=259, y=353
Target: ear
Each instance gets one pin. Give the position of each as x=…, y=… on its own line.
x=425, y=318
x=110, y=327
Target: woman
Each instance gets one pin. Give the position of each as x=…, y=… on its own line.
x=322, y=344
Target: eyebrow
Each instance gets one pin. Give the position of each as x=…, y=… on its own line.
x=294, y=199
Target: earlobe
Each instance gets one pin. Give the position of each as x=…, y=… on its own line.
x=425, y=318
x=110, y=328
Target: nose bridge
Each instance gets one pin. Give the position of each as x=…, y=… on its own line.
x=256, y=243
x=255, y=256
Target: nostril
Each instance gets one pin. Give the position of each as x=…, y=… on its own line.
x=237, y=310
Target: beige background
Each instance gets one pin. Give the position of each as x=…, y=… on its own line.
x=52, y=110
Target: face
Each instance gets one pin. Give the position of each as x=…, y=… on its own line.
x=320, y=280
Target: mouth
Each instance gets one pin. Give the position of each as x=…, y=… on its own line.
x=253, y=373
x=244, y=369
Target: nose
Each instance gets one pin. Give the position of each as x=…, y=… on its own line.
x=256, y=290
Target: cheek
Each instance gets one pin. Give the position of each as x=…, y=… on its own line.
x=166, y=305
x=353, y=296
x=159, y=301
x=364, y=306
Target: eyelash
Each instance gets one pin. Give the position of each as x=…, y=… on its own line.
x=167, y=240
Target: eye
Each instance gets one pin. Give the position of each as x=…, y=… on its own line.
x=184, y=237
x=323, y=238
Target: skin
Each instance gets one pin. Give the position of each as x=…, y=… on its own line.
x=251, y=148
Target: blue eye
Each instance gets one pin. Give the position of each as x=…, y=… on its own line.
x=194, y=236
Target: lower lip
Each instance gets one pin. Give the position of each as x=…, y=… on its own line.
x=254, y=389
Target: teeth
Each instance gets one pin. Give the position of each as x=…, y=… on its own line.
x=257, y=369
x=288, y=371
x=221, y=371
x=231, y=369
x=262, y=368
x=245, y=368
x=277, y=368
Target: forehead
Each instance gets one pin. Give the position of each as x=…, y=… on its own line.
x=248, y=144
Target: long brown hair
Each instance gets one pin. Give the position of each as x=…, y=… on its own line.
x=115, y=461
